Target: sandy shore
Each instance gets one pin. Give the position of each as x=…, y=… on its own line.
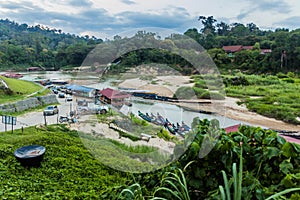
x=167, y=85
x=96, y=129
x=164, y=85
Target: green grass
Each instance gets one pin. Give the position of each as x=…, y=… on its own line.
x=68, y=171
x=275, y=97
x=134, y=149
x=20, y=90
x=21, y=86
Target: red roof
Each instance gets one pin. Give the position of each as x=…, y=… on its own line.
x=12, y=75
x=113, y=94
x=236, y=48
x=247, y=47
x=233, y=128
x=232, y=49
x=290, y=139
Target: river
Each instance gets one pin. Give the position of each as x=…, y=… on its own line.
x=172, y=112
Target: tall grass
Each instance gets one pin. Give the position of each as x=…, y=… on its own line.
x=236, y=181
x=278, y=96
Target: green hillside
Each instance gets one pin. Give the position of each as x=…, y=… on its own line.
x=19, y=89
x=68, y=170
x=24, y=46
x=261, y=51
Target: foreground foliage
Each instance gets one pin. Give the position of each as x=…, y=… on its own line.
x=68, y=170
x=270, y=166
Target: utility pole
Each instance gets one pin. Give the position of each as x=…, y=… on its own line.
x=45, y=119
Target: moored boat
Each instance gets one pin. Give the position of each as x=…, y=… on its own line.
x=144, y=116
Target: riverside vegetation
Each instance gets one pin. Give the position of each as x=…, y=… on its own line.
x=69, y=171
x=269, y=95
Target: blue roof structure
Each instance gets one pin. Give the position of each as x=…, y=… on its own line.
x=80, y=88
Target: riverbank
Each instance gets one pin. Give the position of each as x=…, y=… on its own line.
x=167, y=85
x=230, y=108
x=103, y=130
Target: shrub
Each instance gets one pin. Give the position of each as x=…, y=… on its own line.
x=164, y=134
x=184, y=92
x=217, y=96
x=201, y=84
x=288, y=80
x=291, y=74
x=282, y=75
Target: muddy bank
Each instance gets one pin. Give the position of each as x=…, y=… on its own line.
x=167, y=85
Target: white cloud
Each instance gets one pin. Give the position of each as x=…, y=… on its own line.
x=103, y=17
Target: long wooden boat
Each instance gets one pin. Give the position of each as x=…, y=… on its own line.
x=145, y=117
x=161, y=119
x=170, y=127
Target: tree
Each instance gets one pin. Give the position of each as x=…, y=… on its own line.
x=239, y=30
x=194, y=34
x=208, y=23
x=223, y=29
x=252, y=28
x=219, y=56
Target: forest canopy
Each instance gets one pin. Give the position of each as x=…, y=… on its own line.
x=23, y=46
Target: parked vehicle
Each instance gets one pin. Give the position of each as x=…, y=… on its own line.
x=55, y=91
x=63, y=119
x=68, y=91
x=100, y=109
x=69, y=98
x=51, y=110
x=93, y=109
x=61, y=95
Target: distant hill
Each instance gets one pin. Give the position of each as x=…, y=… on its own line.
x=23, y=46
x=261, y=51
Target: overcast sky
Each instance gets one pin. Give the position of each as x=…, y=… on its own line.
x=106, y=18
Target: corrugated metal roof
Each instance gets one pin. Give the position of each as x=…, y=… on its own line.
x=113, y=94
x=234, y=48
x=79, y=88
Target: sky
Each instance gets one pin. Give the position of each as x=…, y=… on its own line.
x=107, y=18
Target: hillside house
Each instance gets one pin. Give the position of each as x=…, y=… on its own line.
x=236, y=48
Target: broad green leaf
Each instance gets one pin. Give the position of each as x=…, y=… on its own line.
x=269, y=139
x=296, y=147
x=281, y=140
x=258, y=136
x=271, y=152
x=286, y=166
x=288, y=150
x=296, y=176
x=287, y=181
